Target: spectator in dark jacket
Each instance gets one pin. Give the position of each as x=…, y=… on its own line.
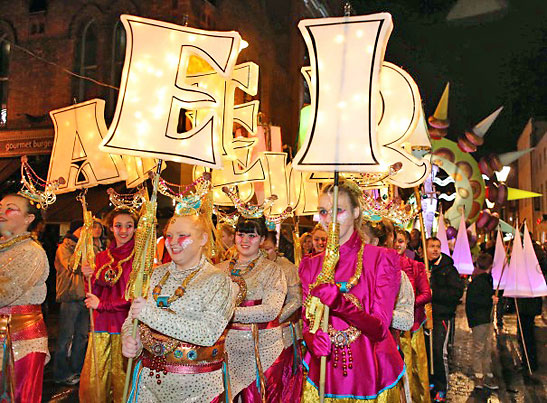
x=447, y=290
x=478, y=308
x=528, y=308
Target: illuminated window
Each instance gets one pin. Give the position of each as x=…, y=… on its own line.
x=5, y=48
x=86, y=61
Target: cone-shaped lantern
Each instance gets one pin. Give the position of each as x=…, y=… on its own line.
x=462, y=252
x=441, y=234
x=499, y=261
x=538, y=287
x=508, y=158
x=482, y=127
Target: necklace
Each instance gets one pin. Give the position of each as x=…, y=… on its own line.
x=163, y=301
x=240, y=272
x=346, y=286
x=9, y=243
x=113, y=274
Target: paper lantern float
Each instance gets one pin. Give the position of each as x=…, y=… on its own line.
x=441, y=234
x=79, y=129
x=138, y=169
x=439, y=123
x=401, y=131
x=523, y=276
x=462, y=251
x=145, y=121
x=346, y=55
x=498, y=263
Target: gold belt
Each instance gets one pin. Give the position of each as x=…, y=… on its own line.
x=177, y=352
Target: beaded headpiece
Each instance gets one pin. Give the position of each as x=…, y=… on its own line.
x=32, y=183
x=130, y=201
x=188, y=202
x=248, y=210
x=397, y=212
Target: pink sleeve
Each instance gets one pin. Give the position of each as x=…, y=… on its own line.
x=388, y=281
x=423, y=291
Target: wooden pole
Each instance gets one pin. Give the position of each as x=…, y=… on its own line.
x=522, y=338
x=428, y=307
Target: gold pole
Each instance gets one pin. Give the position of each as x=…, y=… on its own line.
x=138, y=286
x=428, y=307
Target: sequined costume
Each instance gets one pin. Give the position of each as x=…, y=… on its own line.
x=403, y=314
x=266, y=290
x=186, y=339
x=412, y=343
x=292, y=332
x=370, y=367
x=24, y=269
x=108, y=284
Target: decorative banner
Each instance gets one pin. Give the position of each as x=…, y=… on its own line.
x=462, y=252
x=346, y=54
x=76, y=158
x=146, y=121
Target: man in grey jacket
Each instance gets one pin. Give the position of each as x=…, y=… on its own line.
x=74, y=316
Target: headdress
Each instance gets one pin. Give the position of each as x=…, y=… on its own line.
x=130, y=201
x=395, y=211
x=188, y=202
x=31, y=182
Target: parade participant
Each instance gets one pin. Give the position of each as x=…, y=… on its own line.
x=98, y=236
x=306, y=243
x=318, y=239
x=180, y=340
x=107, y=298
x=73, y=316
x=446, y=290
x=362, y=357
x=290, y=322
x=255, y=342
x=478, y=308
x=413, y=342
x=227, y=241
x=23, y=274
x=381, y=234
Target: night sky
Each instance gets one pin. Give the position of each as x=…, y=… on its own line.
x=490, y=61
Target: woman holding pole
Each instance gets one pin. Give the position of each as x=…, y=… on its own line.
x=362, y=358
x=109, y=281
x=181, y=338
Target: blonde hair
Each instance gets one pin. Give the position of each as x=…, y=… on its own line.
x=354, y=193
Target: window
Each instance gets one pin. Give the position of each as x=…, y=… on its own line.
x=118, y=56
x=86, y=60
x=5, y=48
x=37, y=6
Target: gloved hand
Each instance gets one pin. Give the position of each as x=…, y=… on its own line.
x=318, y=344
x=330, y=295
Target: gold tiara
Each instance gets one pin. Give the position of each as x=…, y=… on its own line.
x=248, y=210
x=31, y=182
x=398, y=213
x=130, y=201
x=188, y=202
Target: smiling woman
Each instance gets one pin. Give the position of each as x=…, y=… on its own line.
x=23, y=271
x=109, y=280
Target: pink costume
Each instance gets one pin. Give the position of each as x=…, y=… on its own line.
x=374, y=364
x=418, y=278
x=109, y=284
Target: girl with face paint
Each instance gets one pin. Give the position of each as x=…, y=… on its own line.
x=361, y=302
x=256, y=319
x=184, y=317
x=24, y=269
x=109, y=280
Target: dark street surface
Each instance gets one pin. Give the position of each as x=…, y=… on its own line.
x=516, y=385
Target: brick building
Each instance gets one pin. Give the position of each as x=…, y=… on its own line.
x=86, y=37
